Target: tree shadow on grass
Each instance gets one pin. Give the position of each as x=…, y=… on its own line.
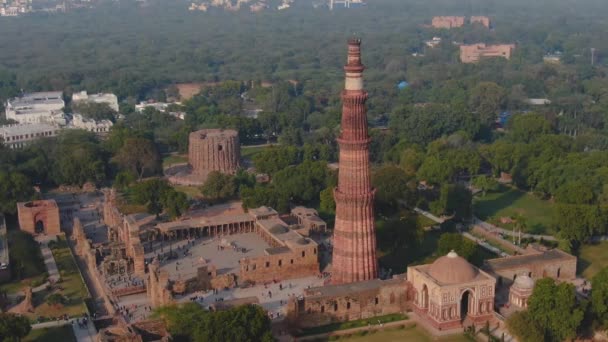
x=488, y=208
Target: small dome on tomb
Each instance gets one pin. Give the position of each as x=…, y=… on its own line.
x=278, y=229
x=523, y=282
x=452, y=269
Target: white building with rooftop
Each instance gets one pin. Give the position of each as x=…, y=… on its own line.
x=20, y=135
x=42, y=107
x=109, y=98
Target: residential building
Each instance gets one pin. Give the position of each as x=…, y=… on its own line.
x=43, y=107
x=110, y=99
x=474, y=52
x=483, y=20
x=100, y=127
x=160, y=106
x=447, y=22
x=19, y=135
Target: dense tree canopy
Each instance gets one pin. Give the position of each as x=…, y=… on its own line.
x=190, y=322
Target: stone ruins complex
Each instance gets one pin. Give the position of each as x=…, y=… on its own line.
x=354, y=255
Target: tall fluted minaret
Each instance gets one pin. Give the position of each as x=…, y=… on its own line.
x=354, y=254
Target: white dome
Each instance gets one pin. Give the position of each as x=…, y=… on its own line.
x=524, y=282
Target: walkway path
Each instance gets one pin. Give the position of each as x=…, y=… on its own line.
x=492, y=228
x=81, y=334
x=49, y=260
x=429, y=215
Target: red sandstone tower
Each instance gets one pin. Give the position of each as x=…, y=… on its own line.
x=354, y=255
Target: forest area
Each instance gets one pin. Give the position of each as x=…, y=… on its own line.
x=440, y=128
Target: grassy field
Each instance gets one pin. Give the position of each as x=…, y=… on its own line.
x=71, y=286
x=248, y=152
x=592, y=259
x=191, y=191
x=353, y=324
x=55, y=334
x=17, y=285
x=509, y=202
x=408, y=334
x=174, y=159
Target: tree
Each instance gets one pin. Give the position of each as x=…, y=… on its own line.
x=157, y=195
x=77, y=158
x=327, y=204
x=175, y=203
x=241, y=324
x=458, y=243
x=95, y=111
x=522, y=326
x=26, y=258
x=526, y=127
x=13, y=327
x=487, y=98
x=454, y=200
x=219, y=186
x=392, y=187
x=599, y=297
x=273, y=159
x=485, y=184
x=555, y=309
x=14, y=187
x=140, y=156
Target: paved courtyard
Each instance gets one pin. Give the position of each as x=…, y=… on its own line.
x=272, y=297
x=223, y=253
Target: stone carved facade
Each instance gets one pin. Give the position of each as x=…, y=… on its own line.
x=354, y=254
x=158, y=286
x=39, y=217
x=552, y=263
x=213, y=150
x=451, y=290
x=346, y=302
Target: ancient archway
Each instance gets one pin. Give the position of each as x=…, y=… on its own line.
x=465, y=304
x=39, y=227
x=424, y=301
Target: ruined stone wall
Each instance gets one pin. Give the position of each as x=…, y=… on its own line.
x=158, y=287
x=292, y=264
x=214, y=150
x=537, y=270
x=46, y=212
x=349, y=303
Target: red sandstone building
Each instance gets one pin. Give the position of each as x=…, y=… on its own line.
x=474, y=52
x=447, y=22
x=354, y=254
x=39, y=217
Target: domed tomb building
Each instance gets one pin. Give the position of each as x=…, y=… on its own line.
x=450, y=291
x=521, y=290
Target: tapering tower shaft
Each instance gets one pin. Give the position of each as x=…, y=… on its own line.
x=354, y=254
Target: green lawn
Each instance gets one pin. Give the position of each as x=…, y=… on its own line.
x=190, y=191
x=248, y=152
x=72, y=286
x=509, y=202
x=353, y=324
x=592, y=259
x=411, y=333
x=174, y=159
x=55, y=334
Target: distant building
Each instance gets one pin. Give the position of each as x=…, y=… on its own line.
x=447, y=22
x=20, y=135
x=160, y=106
x=5, y=272
x=43, y=107
x=553, y=58
x=485, y=21
x=538, y=102
x=474, y=52
x=110, y=99
x=99, y=127
x=433, y=42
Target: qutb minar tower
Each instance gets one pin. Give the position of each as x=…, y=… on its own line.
x=354, y=254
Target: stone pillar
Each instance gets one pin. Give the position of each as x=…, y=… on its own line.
x=354, y=254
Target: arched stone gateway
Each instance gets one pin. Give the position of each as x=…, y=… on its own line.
x=451, y=290
x=39, y=217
